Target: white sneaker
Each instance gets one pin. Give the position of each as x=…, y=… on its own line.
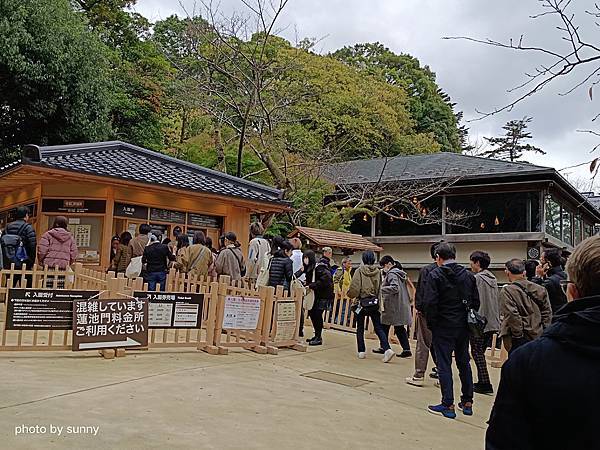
x=362, y=355
x=415, y=381
x=388, y=355
x=437, y=383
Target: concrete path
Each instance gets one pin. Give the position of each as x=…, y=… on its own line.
x=187, y=399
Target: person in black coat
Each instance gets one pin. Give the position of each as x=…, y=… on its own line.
x=446, y=289
x=549, y=387
x=156, y=259
x=281, y=267
x=550, y=274
x=324, y=295
x=20, y=227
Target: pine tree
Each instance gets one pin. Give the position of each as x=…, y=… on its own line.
x=510, y=147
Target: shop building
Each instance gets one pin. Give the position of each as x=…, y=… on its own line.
x=106, y=188
x=514, y=210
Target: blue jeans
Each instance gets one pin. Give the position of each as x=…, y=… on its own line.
x=154, y=278
x=445, y=341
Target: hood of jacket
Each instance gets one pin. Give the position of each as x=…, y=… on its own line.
x=370, y=271
x=397, y=272
x=453, y=271
x=60, y=234
x=576, y=326
x=487, y=277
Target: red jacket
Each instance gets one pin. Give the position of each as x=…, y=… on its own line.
x=57, y=249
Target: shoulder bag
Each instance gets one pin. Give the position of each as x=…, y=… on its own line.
x=240, y=263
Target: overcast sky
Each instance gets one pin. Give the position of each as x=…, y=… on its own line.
x=477, y=77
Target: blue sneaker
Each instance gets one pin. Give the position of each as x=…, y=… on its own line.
x=467, y=408
x=441, y=410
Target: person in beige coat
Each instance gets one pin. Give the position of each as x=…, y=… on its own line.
x=231, y=260
x=195, y=259
x=365, y=291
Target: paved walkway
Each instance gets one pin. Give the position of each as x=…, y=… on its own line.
x=187, y=399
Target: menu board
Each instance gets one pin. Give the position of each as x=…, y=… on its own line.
x=166, y=215
x=204, y=221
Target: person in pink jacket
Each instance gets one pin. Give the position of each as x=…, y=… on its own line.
x=57, y=247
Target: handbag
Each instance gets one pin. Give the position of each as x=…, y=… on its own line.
x=475, y=321
x=134, y=268
x=366, y=304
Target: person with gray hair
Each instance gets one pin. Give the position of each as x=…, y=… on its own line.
x=524, y=307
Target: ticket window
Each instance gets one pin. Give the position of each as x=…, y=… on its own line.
x=87, y=231
x=213, y=233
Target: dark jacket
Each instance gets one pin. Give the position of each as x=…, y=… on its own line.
x=552, y=284
x=445, y=290
x=156, y=257
x=323, y=285
x=421, y=282
x=281, y=270
x=28, y=237
x=549, y=388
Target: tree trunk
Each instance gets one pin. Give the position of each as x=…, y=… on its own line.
x=184, y=124
x=218, y=143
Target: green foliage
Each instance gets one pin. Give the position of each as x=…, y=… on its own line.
x=429, y=107
x=510, y=147
x=54, y=76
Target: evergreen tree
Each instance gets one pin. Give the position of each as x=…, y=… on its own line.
x=510, y=147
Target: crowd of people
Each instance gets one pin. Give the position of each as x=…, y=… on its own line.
x=553, y=342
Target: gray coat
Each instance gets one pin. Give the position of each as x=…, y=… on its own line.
x=395, y=298
x=487, y=286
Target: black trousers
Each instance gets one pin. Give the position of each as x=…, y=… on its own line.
x=316, y=317
x=401, y=334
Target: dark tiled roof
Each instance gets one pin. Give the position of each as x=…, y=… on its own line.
x=336, y=239
x=419, y=167
x=595, y=200
x=128, y=162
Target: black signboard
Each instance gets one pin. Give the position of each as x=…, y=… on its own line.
x=110, y=323
x=203, y=221
x=173, y=310
x=165, y=215
x=42, y=309
x=73, y=206
x=125, y=210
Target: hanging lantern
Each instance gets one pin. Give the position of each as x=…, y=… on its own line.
x=402, y=215
x=497, y=221
x=415, y=200
x=365, y=218
x=482, y=226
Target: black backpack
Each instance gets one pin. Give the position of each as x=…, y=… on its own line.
x=13, y=249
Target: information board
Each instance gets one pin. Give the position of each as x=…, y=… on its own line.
x=110, y=323
x=42, y=309
x=73, y=206
x=166, y=215
x=126, y=210
x=173, y=310
x=204, y=221
x=241, y=313
x=286, y=321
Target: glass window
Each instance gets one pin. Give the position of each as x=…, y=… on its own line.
x=553, y=212
x=361, y=224
x=494, y=213
x=567, y=227
x=578, y=230
x=427, y=223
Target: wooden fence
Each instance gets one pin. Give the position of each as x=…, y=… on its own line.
x=210, y=337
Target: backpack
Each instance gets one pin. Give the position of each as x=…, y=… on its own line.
x=13, y=250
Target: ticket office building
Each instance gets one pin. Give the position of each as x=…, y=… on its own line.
x=106, y=188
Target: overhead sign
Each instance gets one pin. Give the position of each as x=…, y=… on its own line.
x=204, y=221
x=110, y=323
x=73, y=206
x=166, y=215
x=125, y=210
x=173, y=310
x=286, y=321
x=241, y=313
x=42, y=309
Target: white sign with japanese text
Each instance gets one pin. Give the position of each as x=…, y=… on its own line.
x=241, y=313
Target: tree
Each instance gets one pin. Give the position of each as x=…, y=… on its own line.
x=580, y=54
x=430, y=108
x=54, y=77
x=510, y=147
